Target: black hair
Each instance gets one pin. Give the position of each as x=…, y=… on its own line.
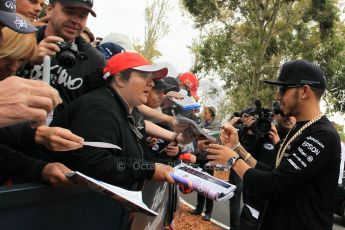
x=318, y=92
x=124, y=75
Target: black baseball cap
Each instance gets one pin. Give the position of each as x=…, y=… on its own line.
x=173, y=82
x=84, y=4
x=162, y=85
x=300, y=72
x=9, y=18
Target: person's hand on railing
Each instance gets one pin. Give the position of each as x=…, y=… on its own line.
x=54, y=174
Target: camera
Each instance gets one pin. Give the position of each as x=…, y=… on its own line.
x=69, y=54
x=263, y=118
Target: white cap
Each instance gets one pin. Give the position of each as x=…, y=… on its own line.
x=120, y=39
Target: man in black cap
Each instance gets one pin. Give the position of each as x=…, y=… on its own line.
x=300, y=188
x=67, y=21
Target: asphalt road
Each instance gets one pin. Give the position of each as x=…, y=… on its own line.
x=221, y=212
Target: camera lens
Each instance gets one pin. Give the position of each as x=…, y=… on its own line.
x=263, y=126
x=66, y=59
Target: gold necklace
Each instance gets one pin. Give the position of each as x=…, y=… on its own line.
x=283, y=146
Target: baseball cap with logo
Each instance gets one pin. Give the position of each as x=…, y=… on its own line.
x=109, y=49
x=299, y=73
x=9, y=18
x=128, y=60
x=83, y=4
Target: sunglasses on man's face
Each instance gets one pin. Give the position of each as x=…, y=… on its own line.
x=283, y=88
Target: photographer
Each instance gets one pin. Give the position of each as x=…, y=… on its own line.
x=61, y=40
x=262, y=147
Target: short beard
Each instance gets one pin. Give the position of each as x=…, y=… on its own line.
x=293, y=109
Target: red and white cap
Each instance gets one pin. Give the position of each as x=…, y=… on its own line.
x=128, y=60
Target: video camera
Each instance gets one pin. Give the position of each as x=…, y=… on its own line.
x=69, y=54
x=263, y=117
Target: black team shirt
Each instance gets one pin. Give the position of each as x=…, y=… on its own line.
x=301, y=192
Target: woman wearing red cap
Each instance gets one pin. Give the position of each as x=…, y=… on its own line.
x=109, y=114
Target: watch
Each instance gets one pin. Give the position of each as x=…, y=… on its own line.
x=231, y=161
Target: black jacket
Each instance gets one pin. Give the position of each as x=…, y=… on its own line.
x=13, y=163
x=301, y=192
x=263, y=150
x=73, y=82
x=102, y=116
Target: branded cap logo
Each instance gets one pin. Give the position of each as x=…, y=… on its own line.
x=20, y=23
x=10, y=5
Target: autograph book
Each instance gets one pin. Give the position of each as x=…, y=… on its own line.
x=131, y=200
x=195, y=129
x=203, y=183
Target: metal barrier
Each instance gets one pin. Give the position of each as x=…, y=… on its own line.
x=155, y=196
x=39, y=207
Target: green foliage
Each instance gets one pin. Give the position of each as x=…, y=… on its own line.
x=43, y=12
x=156, y=28
x=340, y=129
x=342, y=136
x=245, y=42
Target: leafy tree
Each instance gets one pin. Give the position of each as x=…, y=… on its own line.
x=245, y=41
x=156, y=27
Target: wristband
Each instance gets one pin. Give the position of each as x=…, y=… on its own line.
x=247, y=157
x=174, y=138
x=236, y=146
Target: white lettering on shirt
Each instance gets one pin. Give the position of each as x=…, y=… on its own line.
x=311, y=147
x=302, y=152
x=316, y=141
x=293, y=164
x=63, y=77
x=299, y=159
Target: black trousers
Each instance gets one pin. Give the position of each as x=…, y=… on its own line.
x=235, y=201
x=247, y=222
x=201, y=199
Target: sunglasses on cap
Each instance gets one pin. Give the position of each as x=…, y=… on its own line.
x=283, y=88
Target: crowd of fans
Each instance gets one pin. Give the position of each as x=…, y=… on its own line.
x=102, y=90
